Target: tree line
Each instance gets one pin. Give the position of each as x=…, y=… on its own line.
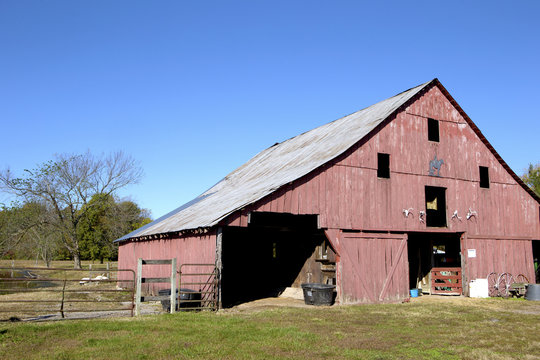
x=68, y=208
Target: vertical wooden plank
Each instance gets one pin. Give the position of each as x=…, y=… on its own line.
x=309, y=197
x=272, y=201
x=332, y=199
x=280, y=200
x=219, y=264
x=315, y=184
x=138, y=290
x=301, y=191
x=328, y=197
x=349, y=205
x=322, y=199
x=243, y=218
x=294, y=199
x=342, y=198
x=173, y=285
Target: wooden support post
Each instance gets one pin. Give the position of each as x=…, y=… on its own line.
x=219, y=264
x=138, y=289
x=173, y=285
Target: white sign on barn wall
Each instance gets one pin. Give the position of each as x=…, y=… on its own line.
x=471, y=253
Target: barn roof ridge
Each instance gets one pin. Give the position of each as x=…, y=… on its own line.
x=288, y=161
x=485, y=140
x=276, y=166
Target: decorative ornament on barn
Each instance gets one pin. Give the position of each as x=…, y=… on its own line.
x=435, y=164
x=456, y=216
x=421, y=215
x=408, y=211
x=471, y=213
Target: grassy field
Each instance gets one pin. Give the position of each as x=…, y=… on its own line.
x=426, y=328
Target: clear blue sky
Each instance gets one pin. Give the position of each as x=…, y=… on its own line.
x=193, y=89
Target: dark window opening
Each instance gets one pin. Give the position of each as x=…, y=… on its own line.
x=435, y=206
x=484, y=177
x=433, y=130
x=383, y=165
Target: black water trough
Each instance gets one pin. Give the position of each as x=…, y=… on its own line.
x=194, y=298
x=318, y=294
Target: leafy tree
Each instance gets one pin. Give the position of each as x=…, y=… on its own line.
x=65, y=187
x=105, y=221
x=24, y=231
x=94, y=228
x=532, y=178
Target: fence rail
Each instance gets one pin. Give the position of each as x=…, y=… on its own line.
x=61, y=290
x=205, y=280
x=169, y=280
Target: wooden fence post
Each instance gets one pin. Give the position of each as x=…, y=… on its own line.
x=138, y=289
x=172, y=280
x=173, y=285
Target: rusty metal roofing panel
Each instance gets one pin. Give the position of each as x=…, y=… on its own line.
x=276, y=166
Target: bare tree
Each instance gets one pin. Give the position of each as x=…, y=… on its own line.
x=66, y=186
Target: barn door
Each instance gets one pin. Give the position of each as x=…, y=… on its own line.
x=374, y=267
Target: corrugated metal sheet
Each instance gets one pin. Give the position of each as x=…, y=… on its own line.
x=275, y=167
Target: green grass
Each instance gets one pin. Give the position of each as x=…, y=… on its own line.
x=482, y=329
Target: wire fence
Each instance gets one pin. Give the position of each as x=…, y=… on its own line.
x=40, y=293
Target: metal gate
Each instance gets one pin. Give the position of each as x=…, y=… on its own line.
x=198, y=288
x=52, y=293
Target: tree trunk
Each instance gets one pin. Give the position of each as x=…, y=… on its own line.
x=77, y=260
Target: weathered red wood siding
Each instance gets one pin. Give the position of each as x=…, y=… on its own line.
x=187, y=249
x=498, y=255
x=347, y=194
x=373, y=268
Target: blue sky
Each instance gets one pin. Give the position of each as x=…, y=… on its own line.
x=193, y=89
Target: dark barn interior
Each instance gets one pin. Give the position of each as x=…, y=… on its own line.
x=428, y=251
x=536, y=259
x=274, y=252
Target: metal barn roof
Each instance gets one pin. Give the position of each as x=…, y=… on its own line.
x=274, y=167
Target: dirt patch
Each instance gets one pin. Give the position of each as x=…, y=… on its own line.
x=268, y=303
x=496, y=304
x=518, y=306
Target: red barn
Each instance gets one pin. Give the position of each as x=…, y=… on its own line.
x=373, y=202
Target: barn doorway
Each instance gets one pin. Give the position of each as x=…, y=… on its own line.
x=536, y=259
x=273, y=252
x=428, y=252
